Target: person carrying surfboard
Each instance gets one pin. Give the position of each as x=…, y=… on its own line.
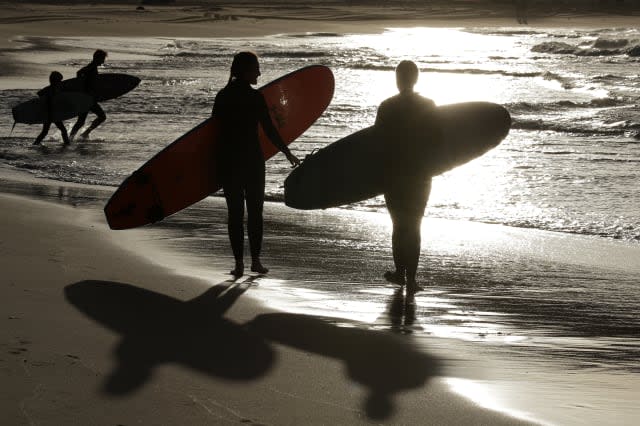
x=240, y=109
x=405, y=121
x=48, y=93
x=89, y=74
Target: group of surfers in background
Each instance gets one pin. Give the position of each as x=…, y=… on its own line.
x=89, y=75
x=240, y=109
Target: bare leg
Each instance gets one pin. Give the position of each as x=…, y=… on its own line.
x=255, y=207
x=79, y=123
x=43, y=133
x=63, y=131
x=234, y=195
x=101, y=117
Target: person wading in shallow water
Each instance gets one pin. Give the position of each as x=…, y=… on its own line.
x=406, y=124
x=89, y=75
x=240, y=108
x=48, y=94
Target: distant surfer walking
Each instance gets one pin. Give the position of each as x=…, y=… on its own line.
x=48, y=94
x=240, y=108
x=521, y=11
x=405, y=121
x=89, y=75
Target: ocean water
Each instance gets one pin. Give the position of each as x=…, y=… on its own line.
x=570, y=163
x=565, y=287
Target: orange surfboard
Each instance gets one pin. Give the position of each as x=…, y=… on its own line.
x=184, y=172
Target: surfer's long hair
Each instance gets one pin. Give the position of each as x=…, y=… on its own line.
x=241, y=62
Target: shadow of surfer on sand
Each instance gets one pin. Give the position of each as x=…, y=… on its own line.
x=384, y=363
x=405, y=123
x=157, y=329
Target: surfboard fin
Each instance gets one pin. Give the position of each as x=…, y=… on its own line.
x=13, y=127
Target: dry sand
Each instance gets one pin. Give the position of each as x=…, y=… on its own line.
x=234, y=19
x=23, y=23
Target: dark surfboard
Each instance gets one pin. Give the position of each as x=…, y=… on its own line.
x=107, y=86
x=65, y=105
x=352, y=169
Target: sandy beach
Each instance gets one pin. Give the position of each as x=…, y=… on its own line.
x=102, y=327
x=96, y=333
x=243, y=19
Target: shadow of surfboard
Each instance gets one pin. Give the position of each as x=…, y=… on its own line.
x=158, y=329
x=384, y=363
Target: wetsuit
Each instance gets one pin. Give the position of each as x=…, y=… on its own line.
x=240, y=109
x=406, y=125
x=89, y=74
x=48, y=93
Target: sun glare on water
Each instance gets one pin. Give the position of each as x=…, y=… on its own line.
x=435, y=49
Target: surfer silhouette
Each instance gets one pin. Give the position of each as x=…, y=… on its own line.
x=47, y=94
x=240, y=109
x=89, y=74
x=521, y=11
x=405, y=122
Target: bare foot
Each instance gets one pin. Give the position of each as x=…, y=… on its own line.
x=238, y=271
x=413, y=287
x=394, y=277
x=256, y=266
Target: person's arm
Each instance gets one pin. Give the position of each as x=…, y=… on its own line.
x=273, y=134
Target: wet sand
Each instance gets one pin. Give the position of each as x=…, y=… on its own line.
x=97, y=329
x=107, y=327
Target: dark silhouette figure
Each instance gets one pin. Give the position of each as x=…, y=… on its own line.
x=406, y=124
x=48, y=94
x=158, y=329
x=521, y=11
x=89, y=75
x=240, y=109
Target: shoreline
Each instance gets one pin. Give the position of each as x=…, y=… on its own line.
x=110, y=317
x=287, y=299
